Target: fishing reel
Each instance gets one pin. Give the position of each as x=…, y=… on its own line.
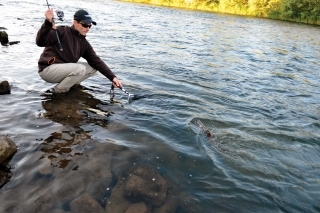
x=60, y=15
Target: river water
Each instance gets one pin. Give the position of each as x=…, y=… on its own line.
x=253, y=83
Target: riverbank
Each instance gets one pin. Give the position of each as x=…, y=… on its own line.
x=276, y=9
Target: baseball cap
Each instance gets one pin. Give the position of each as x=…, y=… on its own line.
x=84, y=17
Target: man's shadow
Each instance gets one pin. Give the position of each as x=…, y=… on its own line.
x=75, y=108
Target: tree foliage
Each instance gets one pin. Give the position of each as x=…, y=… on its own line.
x=302, y=9
x=306, y=11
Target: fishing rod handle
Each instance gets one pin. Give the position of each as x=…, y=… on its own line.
x=59, y=43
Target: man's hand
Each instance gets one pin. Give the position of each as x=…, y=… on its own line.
x=49, y=16
x=116, y=82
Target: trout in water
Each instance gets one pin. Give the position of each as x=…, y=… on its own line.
x=211, y=137
x=204, y=129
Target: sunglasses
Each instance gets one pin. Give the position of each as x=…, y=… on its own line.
x=85, y=25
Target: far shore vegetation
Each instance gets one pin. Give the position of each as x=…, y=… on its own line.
x=302, y=11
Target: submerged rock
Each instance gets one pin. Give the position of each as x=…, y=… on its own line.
x=85, y=203
x=146, y=184
x=142, y=189
x=138, y=208
x=5, y=88
x=117, y=202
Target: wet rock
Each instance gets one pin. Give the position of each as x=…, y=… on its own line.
x=13, y=42
x=7, y=148
x=46, y=167
x=5, y=88
x=124, y=160
x=136, y=185
x=145, y=184
x=84, y=204
x=99, y=188
x=4, y=38
x=5, y=174
x=3, y=177
x=117, y=203
x=138, y=208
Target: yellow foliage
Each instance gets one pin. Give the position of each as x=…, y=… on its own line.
x=260, y=8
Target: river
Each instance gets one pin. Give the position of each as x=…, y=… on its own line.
x=253, y=83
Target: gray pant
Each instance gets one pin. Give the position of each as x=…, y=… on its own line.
x=67, y=75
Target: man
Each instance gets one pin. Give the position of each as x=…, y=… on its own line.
x=61, y=66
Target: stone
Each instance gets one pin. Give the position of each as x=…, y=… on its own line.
x=4, y=38
x=45, y=167
x=84, y=204
x=145, y=184
x=117, y=203
x=99, y=188
x=7, y=148
x=13, y=42
x=5, y=88
x=138, y=208
x=138, y=184
x=5, y=175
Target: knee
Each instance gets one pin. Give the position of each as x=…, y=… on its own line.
x=81, y=70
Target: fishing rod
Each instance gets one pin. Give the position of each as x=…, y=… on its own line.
x=112, y=93
x=59, y=43
x=129, y=94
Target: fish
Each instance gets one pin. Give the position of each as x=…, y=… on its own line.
x=204, y=129
x=213, y=139
x=99, y=112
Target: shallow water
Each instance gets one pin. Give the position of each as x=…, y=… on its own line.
x=253, y=83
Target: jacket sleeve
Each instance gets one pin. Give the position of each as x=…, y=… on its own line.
x=95, y=61
x=46, y=35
